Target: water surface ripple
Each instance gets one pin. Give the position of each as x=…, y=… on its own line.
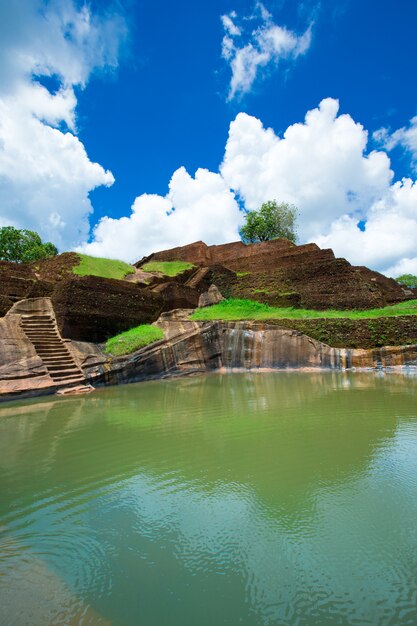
x=254, y=499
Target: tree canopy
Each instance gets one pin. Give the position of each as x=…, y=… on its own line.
x=272, y=220
x=23, y=246
x=409, y=280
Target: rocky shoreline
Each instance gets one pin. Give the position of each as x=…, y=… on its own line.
x=189, y=347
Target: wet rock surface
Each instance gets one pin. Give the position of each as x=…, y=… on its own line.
x=197, y=347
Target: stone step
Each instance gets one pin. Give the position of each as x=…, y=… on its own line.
x=46, y=352
x=37, y=329
x=45, y=337
x=38, y=319
x=61, y=374
x=68, y=380
x=46, y=358
x=64, y=373
x=62, y=367
x=50, y=345
x=46, y=340
x=39, y=326
x=66, y=366
x=41, y=331
x=38, y=322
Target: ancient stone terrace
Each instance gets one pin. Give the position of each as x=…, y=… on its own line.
x=281, y=273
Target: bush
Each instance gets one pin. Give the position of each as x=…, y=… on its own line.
x=407, y=280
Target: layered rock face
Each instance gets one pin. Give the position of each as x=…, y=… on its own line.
x=281, y=273
x=198, y=347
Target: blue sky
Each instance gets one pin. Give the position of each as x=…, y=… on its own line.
x=166, y=106
x=109, y=105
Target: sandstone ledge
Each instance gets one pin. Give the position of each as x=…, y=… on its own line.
x=200, y=347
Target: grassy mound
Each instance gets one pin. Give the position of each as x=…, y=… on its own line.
x=133, y=339
x=168, y=268
x=105, y=268
x=234, y=309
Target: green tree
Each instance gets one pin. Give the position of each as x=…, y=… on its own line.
x=407, y=280
x=272, y=220
x=23, y=246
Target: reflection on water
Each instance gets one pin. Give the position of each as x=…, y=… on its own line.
x=255, y=499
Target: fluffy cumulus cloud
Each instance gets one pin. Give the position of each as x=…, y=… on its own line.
x=346, y=195
x=265, y=45
x=47, y=50
x=196, y=208
x=319, y=165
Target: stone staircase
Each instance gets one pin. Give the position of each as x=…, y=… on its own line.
x=42, y=331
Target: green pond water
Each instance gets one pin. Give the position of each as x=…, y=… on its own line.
x=254, y=499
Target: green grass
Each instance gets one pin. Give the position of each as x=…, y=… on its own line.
x=167, y=268
x=133, y=339
x=106, y=268
x=234, y=309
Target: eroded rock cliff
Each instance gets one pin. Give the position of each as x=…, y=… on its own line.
x=197, y=347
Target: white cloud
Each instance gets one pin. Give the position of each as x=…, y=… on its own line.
x=266, y=45
x=319, y=165
x=45, y=172
x=389, y=240
x=405, y=137
x=229, y=26
x=322, y=167
x=196, y=208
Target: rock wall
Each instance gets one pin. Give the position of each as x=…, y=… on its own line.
x=89, y=308
x=198, y=347
x=356, y=333
x=281, y=273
